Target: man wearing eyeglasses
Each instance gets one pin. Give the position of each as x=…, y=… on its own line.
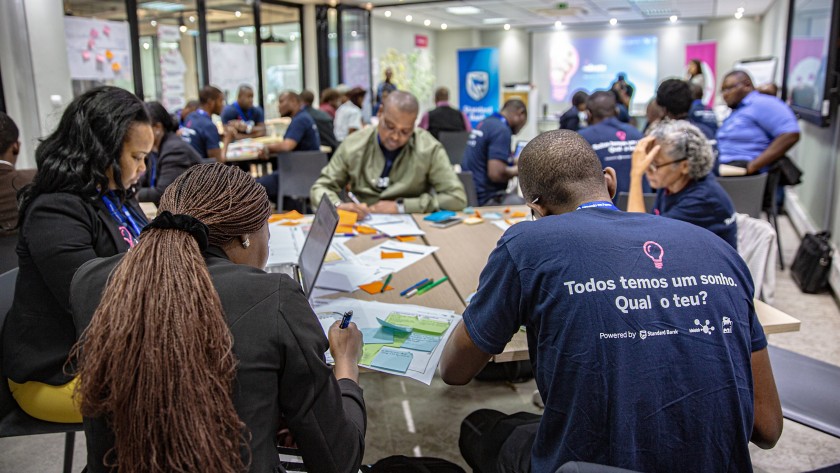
x=391, y=168
x=760, y=130
x=612, y=140
x=633, y=371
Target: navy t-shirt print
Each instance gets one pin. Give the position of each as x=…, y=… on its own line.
x=614, y=142
x=619, y=310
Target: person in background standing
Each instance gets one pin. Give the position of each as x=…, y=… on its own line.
x=330, y=101
x=385, y=87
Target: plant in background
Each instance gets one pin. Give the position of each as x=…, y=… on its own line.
x=412, y=73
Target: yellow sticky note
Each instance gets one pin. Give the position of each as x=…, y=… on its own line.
x=332, y=256
x=392, y=254
x=344, y=229
x=347, y=218
x=406, y=238
x=517, y=215
x=366, y=230
x=473, y=220
x=424, y=325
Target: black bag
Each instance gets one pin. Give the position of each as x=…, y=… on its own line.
x=789, y=173
x=403, y=464
x=812, y=264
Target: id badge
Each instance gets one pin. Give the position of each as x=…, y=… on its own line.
x=383, y=182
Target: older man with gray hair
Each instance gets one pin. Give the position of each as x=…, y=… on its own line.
x=391, y=168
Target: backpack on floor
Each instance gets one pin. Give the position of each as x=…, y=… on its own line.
x=404, y=464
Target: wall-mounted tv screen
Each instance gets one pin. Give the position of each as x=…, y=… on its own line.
x=811, y=60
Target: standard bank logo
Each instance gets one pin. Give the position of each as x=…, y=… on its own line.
x=478, y=84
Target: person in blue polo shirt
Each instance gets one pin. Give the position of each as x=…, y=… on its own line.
x=488, y=153
x=677, y=160
x=302, y=135
x=200, y=131
x=246, y=118
x=760, y=130
x=612, y=140
x=646, y=347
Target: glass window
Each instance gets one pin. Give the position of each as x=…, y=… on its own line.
x=168, y=52
x=282, y=54
x=98, y=44
x=355, y=41
x=231, y=44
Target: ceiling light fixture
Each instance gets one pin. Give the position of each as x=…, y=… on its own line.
x=613, y=21
x=507, y=26
x=740, y=10
x=183, y=28
x=673, y=18
x=465, y=10
x=237, y=13
x=387, y=13
x=353, y=34
x=558, y=24
x=739, y=15
x=427, y=22
x=154, y=23
x=443, y=26
x=408, y=18
x=146, y=45
x=192, y=19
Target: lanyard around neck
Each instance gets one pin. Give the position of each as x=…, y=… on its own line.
x=598, y=204
x=122, y=216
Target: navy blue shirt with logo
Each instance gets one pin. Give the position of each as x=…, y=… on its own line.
x=235, y=112
x=640, y=331
x=490, y=139
x=614, y=142
x=201, y=133
x=704, y=203
x=304, y=130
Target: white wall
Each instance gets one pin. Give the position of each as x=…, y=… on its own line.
x=736, y=40
x=399, y=35
x=310, y=50
x=774, y=35
x=446, y=58
x=514, y=53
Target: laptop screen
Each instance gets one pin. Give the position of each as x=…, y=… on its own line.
x=520, y=145
x=317, y=244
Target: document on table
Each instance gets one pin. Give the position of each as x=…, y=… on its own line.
x=394, y=225
x=284, y=244
x=414, y=354
x=378, y=256
x=347, y=276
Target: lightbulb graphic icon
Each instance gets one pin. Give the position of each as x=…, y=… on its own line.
x=564, y=64
x=654, y=251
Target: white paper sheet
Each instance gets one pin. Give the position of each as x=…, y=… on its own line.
x=284, y=244
x=412, y=253
x=394, y=225
x=423, y=364
x=348, y=276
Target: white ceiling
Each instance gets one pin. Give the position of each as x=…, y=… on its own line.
x=544, y=13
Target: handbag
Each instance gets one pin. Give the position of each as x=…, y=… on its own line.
x=789, y=172
x=812, y=264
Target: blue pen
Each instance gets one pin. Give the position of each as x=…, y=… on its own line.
x=345, y=319
x=414, y=286
x=346, y=234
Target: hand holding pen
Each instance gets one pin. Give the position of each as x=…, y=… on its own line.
x=346, y=344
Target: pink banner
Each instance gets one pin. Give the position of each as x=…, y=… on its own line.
x=706, y=53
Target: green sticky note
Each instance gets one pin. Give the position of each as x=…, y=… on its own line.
x=424, y=325
x=369, y=352
x=399, y=339
x=393, y=326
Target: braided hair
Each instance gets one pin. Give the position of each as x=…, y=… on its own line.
x=157, y=358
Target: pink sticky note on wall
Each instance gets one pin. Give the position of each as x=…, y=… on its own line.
x=106, y=30
x=91, y=44
x=85, y=55
x=100, y=58
x=94, y=33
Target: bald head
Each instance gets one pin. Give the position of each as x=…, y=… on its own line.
x=560, y=168
x=402, y=102
x=741, y=76
x=601, y=105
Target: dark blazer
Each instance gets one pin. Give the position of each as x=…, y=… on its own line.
x=281, y=372
x=11, y=181
x=325, y=128
x=60, y=232
x=174, y=157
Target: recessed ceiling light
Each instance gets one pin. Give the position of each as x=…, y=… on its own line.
x=558, y=24
x=443, y=26
x=294, y=37
x=353, y=34
x=237, y=13
x=408, y=18
x=427, y=22
x=387, y=13
x=738, y=15
x=740, y=10
x=163, y=6
x=154, y=23
x=146, y=45
x=613, y=21
x=246, y=41
x=507, y=26
x=494, y=21
x=465, y=10
x=183, y=28
x=673, y=18
x=241, y=34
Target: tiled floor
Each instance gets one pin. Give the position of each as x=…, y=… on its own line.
x=406, y=417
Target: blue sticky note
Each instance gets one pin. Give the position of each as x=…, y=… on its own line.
x=391, y=326
x=421, y=342
x=377, y=336
x=439, y=216
x=492, y=216
x=392, y=360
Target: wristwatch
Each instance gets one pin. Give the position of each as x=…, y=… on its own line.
x=248, y=129
x=400, y=206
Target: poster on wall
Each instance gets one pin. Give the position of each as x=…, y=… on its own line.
x=232, y=65
x=478, y=76
x=706, y=53
x=97, y=49
x=172, y=68
x=592, y=64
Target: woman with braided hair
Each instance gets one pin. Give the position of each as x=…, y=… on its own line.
x=194, y=358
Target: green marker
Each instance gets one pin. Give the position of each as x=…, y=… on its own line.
x=387, y=280
x=430, y=286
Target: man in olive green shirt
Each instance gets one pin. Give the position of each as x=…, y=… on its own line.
x=392, y=168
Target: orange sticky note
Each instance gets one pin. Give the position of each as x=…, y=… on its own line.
x=292, y=215
x=391, y=254
x=507, y=210
x=477, y=213
x=344, y=229
x=517, y=215
x=374, y=287
x=109, y=54
x=406, y=238
x=347, y=218
x=473, y=220
x=366, y=230
x=116, y=67
x=290, y=223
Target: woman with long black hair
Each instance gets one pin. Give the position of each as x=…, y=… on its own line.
x=78, y=207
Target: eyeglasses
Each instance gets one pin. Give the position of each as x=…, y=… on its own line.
x=727, y=88
x=655, y=167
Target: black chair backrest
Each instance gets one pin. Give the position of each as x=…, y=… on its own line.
x=7, y=295
x=624, y=198
x=454, y=142
x=746, y=192
x=466, y=178
x=8, y=256
x=298, y=170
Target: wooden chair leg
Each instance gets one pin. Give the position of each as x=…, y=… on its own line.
x=69, y=445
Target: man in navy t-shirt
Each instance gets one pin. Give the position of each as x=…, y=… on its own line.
x=302, y=135
x=488, y=153
x=612, y=140
x=699, y=113
x=200, y=131
x=246, y=118
x=645, y=345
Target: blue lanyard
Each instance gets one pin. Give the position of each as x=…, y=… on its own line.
x=153, y=158
x=123, y=216
x=500, y=117
x=244, y=117
x=201, y=111
x=598, y=204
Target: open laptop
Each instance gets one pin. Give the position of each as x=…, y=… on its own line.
x=314, y=250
